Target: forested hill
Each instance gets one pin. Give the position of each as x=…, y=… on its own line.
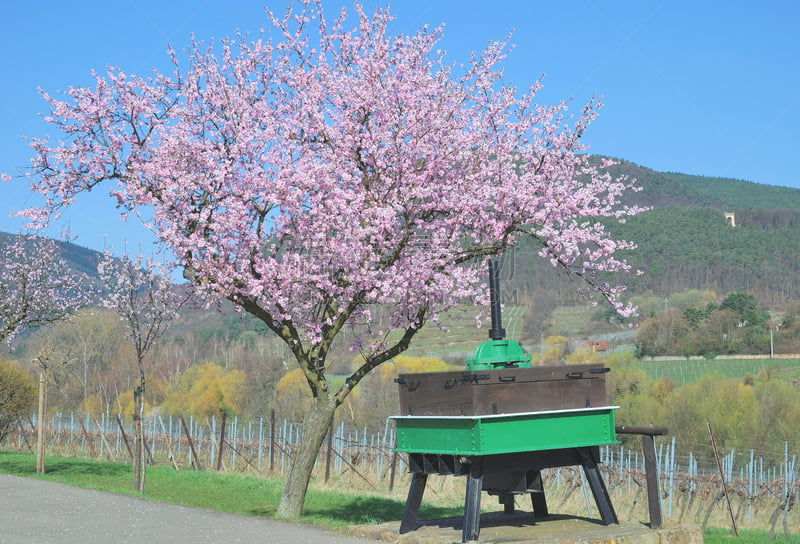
x=683, y=248
x=665, y=189
x=686, y=242
x=738, y=195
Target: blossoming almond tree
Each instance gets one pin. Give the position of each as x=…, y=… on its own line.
x=327, y=167
x=146, y=301
x=36, y=285
x=36, y=288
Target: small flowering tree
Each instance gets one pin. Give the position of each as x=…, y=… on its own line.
x=328, y=167
x=36, y=285
x=146, y=301
x=37, y=288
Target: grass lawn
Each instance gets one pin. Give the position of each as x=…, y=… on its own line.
x=721, y=536
x=226, y=492
x=257, y=496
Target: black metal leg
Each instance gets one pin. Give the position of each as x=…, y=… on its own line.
x=597, y=486
x=472, y=503
x=507, y=500
x=538, y=500
x=415, y=492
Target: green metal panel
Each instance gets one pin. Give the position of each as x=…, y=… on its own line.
x=457, y=436
x=507, y=433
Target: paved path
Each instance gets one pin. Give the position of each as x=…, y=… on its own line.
x=40, y=512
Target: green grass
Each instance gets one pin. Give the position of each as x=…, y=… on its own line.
x=225, y=492
x=725, y=536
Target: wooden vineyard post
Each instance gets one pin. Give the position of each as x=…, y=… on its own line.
x=392, y=471
x=722, y=476
x=272, y=441
x=40, y=430
x=124, y=437
x=221, y=439
x=195, y=459
x=88, y=437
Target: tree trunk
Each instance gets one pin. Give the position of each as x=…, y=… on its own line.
x=315, y=427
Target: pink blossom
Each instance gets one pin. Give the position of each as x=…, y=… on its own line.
x=143, y=296
x=36, y=285
x=310, y=176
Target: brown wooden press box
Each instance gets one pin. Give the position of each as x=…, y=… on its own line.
x=502, y=390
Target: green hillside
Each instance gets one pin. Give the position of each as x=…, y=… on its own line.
x=695, y=248
x=732, y=194
x=657, y=188
x=668, y=189
x=459, y=333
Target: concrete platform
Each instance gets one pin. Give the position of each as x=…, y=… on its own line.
x=520, y=527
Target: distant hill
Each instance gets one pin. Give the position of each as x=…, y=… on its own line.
x=730, y=194
x=80, y=260
x=683, y=248
x=666, y=189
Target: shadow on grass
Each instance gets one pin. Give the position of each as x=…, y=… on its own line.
x=25, y=465
x=357, y=510
x=85, y=467
x=21, y=465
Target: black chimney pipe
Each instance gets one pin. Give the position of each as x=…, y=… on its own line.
x=497, y=332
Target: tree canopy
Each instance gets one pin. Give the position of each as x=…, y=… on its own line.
x=17, y=396
x=36, y=285
x=325, y=167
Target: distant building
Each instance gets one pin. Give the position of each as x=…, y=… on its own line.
x=598, y=345
x=730, y=217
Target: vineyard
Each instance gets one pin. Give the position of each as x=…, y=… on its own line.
x=683, y=371
x=692, y=488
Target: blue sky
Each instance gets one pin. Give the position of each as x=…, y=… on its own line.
x=708, y=88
